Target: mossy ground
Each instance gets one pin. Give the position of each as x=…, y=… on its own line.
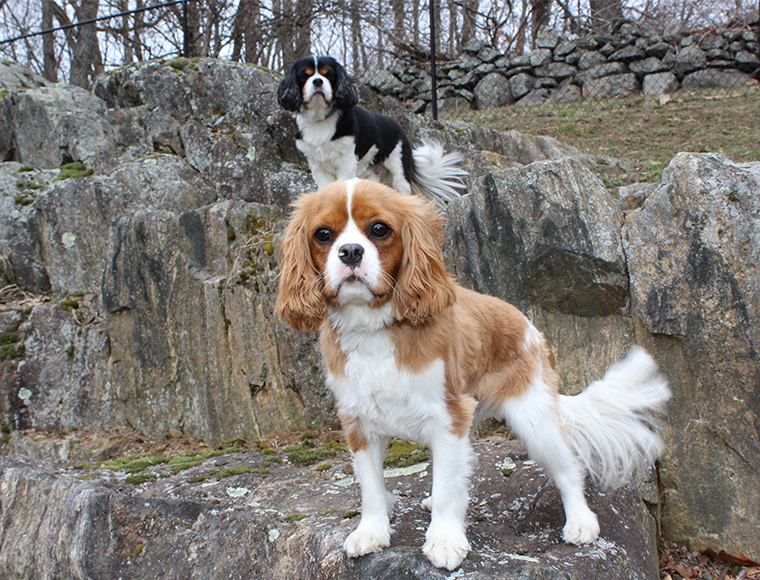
x=404, y=454
x=136, y=465
x=73, y=170
x=11, y=346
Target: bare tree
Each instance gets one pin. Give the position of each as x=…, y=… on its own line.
x=415, y=22
x=399, y=36
x=82, y=41
x=246, y=32
x=540, y=11
x=50, y=62
x=437, y=23
x=356, y=35
x=469, y=14
x=303, y=17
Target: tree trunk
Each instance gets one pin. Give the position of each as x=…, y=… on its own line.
x=469, y=12
x=303, y=16
x=519, y=44
x=416, y=22
x=193, y=30
x=539, y=16
x=356, y=32
x=126, y=43
x=437, y=22
x=49, y=62
x=284, y=32
x=136, y=30
x=453, y=35
x=86, y=62
x=253, y=34
x=399, y=35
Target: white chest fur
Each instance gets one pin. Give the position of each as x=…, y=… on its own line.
x=332, y=159
x=389, y=401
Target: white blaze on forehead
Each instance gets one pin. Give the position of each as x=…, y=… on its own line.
x=351, y=234
x=369, y=269
x=350, y=184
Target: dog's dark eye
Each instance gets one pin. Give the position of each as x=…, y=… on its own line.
x=323, y=235
x=379, y=230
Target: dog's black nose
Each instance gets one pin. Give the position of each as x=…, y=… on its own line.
x=351, y=254
x=317, y=82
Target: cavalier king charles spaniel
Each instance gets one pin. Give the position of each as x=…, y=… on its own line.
x=409, y=353
x=341, y=140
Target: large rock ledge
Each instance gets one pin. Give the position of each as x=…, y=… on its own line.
x=60, y=521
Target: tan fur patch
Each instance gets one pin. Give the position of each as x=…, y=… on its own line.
x=481, y=340
x=461, y=409
x=333, y=356
x=354, y=435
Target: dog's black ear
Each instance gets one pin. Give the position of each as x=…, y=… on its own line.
x=346, y=95
x=288, y=92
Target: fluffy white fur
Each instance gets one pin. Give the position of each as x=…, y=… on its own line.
x=389, y=379
x=609, y=425
x=437, y=170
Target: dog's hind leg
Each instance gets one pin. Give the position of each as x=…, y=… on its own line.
x=395, y=165
x=534, y=418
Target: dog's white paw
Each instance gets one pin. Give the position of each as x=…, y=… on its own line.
x=427, y=503
x=581, y=529
x=365, y=540
x=446, y=551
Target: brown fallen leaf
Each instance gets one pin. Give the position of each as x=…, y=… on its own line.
x=687, y=572
x=738, y=559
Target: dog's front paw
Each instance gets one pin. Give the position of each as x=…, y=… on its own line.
x=446, y=551
x=581, y=529
x=366, y=539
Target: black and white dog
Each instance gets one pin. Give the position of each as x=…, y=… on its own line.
x=342, y=140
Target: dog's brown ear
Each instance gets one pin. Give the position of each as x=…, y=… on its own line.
x=423, y=287
x=299, y=300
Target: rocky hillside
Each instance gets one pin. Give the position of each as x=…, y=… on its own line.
x=139, y=226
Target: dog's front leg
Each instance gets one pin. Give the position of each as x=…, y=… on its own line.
x=374, y=530
x=446, y=542
x=320, y=175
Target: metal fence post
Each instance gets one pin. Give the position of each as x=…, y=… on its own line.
x=434, y=101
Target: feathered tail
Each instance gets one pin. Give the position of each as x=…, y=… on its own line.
x=610, y=424
x=437, y=173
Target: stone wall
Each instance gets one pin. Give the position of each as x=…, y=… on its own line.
x=629, y=60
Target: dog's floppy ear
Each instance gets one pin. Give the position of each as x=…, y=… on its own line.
x=288, y=92
x=346, y=96
x=423, y=287
x=299, y=300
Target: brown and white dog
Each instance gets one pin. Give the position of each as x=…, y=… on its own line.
x=409, y=353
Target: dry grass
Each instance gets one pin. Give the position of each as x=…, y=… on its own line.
x=643, y=132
